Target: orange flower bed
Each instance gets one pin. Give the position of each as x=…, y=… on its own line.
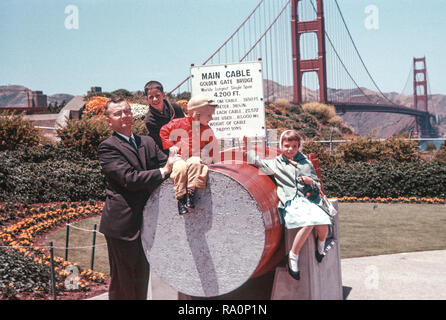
x=19, y=236
x=393, y=200
x=183, y=104
x=96, y=105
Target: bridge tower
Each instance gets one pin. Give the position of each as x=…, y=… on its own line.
x=419, y=89
x=317, y=65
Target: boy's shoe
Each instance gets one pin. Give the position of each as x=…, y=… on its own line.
x=182, y=205
x=190, y=198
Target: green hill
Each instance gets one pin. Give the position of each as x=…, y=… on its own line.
x=312, y=120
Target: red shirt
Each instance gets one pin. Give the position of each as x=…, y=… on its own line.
x=178, y=129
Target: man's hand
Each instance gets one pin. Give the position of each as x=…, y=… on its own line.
x=174, y=150
x=169, y=164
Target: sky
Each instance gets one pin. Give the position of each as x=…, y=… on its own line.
x=125, y=43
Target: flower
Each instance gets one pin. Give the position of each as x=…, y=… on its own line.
x=139, y=110
x=22, y=233
x=96, y=105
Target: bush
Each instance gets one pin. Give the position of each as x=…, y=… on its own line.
x=310, y=121
x=47, y=174
x=85, y=135
x=15, y=132
x=336, y=121
x=321, y=111
x=430, y=147
x=440, y=155
x=402, y=150
x=385, y=179
x=281, y=102
x=366, y=149
x=139, y=110
x=19, y=273
x=95, y=106
x=295, y=109
x=322, y=152
x=139, y=127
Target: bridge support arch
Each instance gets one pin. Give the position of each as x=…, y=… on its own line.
x=420, y=93
x=318, y=64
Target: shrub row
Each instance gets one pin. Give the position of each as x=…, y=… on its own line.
x=386, y=179
x=365, y=149
x=19, y=273
x=86, y=134
x=47, y=174
x=15, y=131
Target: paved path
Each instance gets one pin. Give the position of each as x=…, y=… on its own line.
x=403, y=276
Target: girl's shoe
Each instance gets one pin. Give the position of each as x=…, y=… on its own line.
x=295, y=275
x=319, y=256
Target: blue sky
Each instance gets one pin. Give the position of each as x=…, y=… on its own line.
x=123, y=44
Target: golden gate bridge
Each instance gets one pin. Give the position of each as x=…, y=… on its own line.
x=309, y=54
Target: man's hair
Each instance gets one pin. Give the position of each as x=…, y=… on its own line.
x=114, y=99
x=153, y=85
x=290, y=135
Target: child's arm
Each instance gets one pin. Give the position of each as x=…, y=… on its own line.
x=268, y=166
x=165, y=135
x=173, y=136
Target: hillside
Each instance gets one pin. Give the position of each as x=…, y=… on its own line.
x=15, y=96
x=313, y=120
x=384, y=125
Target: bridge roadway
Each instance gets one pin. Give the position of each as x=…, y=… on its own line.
x=368, y=107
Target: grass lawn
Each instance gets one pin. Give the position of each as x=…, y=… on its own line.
x=79, y=238
x=366, y=229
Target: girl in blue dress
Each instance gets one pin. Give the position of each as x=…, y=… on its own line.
x=294, y=174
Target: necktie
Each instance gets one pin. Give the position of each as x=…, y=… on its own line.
x=133, y=143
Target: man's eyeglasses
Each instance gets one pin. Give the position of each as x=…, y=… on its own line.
x=119, y=113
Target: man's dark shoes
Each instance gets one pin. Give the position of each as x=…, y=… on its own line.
x=182, y=205
x=319, y=256
x=190, y=199
x=295, y=275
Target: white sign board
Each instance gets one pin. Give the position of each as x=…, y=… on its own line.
x=238, y=90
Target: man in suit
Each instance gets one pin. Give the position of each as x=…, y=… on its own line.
x=133, y=166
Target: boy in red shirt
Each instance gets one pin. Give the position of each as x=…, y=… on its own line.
x=193, y=139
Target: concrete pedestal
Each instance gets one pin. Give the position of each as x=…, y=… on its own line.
x=317, y=280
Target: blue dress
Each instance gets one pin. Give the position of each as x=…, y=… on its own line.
x=294, y=208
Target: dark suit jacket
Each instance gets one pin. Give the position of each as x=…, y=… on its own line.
x=131, y=177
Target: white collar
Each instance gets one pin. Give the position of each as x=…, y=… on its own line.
x=125, y=137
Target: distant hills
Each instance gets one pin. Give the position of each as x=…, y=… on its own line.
x=383, y=125
x=15, y=96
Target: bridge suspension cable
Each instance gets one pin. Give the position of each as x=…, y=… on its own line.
x=223, y=44
x=359, y=54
